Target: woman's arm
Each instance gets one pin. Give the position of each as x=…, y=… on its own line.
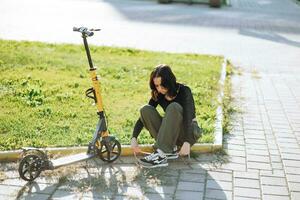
x=137, y=128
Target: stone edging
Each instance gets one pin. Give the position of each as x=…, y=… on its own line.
x=126, y=150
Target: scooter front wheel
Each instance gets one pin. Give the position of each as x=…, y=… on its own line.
x=110, y=150
x=30, y=167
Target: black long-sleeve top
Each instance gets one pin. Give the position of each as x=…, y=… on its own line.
x=185, y=98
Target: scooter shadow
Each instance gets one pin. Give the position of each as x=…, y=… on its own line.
x=85, y=180
x=92, y=179
x=95, y=179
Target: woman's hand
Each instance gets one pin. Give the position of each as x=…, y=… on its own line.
x=135, y=146
x=185, y=149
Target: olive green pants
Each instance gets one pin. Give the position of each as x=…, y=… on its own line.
x=168, y=130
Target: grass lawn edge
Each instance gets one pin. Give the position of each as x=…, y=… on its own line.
x=14, y=155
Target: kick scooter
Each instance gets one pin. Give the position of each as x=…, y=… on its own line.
x=107, y=147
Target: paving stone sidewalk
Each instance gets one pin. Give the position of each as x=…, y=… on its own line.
x=262, y=159
x=195, y=178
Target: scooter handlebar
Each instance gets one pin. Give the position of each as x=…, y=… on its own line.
x=85, y=31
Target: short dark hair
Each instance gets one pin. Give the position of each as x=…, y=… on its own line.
x=168, y=80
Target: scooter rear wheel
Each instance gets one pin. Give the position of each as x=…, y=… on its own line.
x=110, y=150
x=30, y=167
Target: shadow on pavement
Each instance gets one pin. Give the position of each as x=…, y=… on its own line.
x=271, y=36
x=199, y=15
x=182, y=179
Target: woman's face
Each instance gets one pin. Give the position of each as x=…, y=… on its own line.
x=158, y=86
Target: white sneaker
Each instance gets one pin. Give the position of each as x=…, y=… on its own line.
x=173, y=155
x=153, y=160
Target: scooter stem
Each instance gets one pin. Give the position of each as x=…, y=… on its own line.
x=95, y=81
x=87, y=50
x=96, y=86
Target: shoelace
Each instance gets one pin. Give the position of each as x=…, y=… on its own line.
x=137, y=159
x=141, y=152
x=186, y=161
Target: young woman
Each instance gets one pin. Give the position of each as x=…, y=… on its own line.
x=178, y=127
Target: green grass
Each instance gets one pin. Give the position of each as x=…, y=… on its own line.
x=228, y=106
x=42, y=89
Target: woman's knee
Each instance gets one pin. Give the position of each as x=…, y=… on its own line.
x=174, y=107
x=146, y=109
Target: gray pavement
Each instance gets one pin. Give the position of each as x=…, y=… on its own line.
x=261, y=37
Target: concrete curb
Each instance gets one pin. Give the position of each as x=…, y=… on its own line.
x=126, y=150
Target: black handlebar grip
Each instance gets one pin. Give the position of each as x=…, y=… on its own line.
x=75, y=29
x=89, y=33
x=95, y=29
x=84, y=31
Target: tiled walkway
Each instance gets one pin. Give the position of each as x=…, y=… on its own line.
x=265, y=139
